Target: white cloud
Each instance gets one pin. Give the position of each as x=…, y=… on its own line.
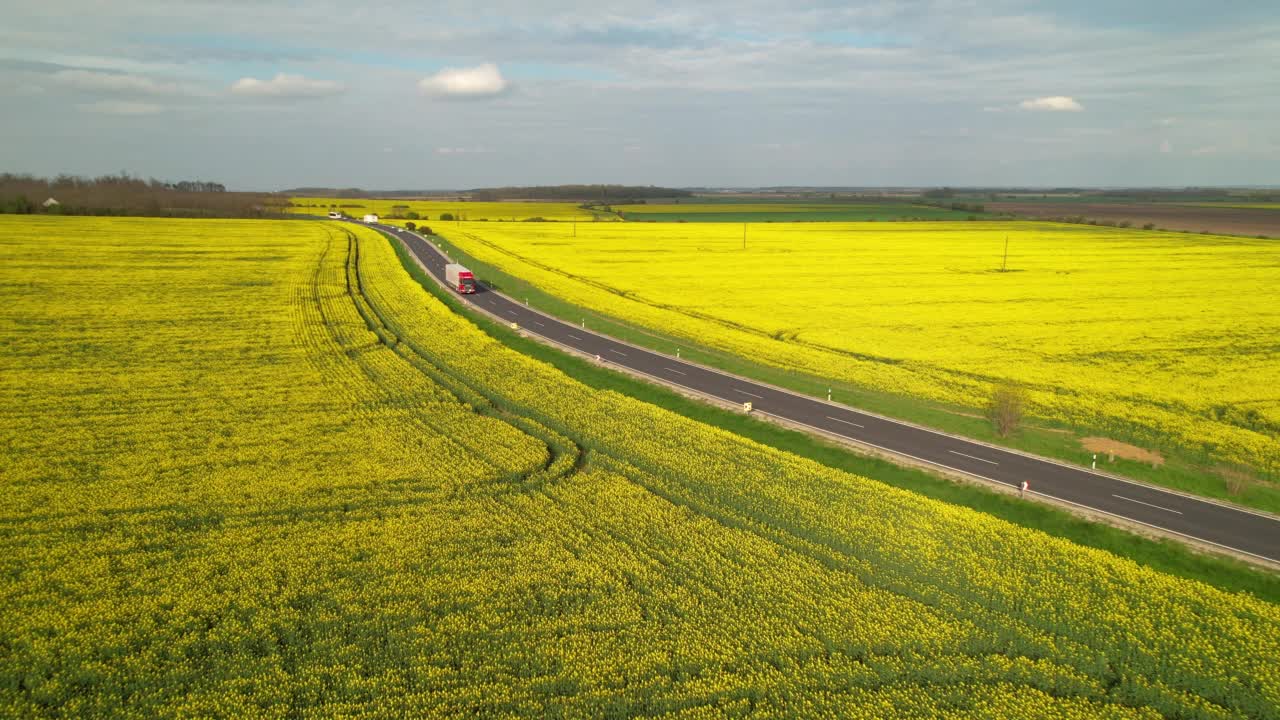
x=284, y=85
x=121, y=107
x=116, y=83
x=1053, y=103
x=480, y=81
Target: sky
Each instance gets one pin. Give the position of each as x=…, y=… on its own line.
x=267, y=95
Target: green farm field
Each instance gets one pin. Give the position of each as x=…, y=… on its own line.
x=253, y=469
x=783, y=212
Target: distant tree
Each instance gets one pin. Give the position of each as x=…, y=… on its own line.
x=1008, y=401
x=446, y=216
x=19, y=205
x=410, y=226
x=412, y=215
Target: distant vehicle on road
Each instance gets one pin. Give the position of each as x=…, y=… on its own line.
x=371, y=218
x=459, y=278
x=335, y=215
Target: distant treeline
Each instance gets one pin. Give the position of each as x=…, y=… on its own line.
x=584, y=193
x=1143, y=195
x=573, y=193
x=360, y=193
x=126, y=195
x=1186, y=194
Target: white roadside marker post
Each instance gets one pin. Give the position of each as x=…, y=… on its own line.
x=1095, y=461
x=828, y=394
x=746, y=407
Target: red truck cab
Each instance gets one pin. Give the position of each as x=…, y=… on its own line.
x=466, y=282
x=459, y=278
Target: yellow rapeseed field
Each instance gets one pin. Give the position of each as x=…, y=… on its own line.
x=252, y=469
x=1164, y=337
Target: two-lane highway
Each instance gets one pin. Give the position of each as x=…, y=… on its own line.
x=1251, y=533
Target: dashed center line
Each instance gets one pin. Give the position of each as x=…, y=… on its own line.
x=535, y=322
x=617, y=352
x=1175, y=512
x=973, y=457
x=748, y=394
x=673, y=370
x=846, y=422
x=575, y=337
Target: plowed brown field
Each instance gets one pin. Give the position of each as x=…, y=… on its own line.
x=1233, y=221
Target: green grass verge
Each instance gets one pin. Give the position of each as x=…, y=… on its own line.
x=1180, y=471
x=1165, y=555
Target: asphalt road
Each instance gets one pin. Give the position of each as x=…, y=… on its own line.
x=1244, y=531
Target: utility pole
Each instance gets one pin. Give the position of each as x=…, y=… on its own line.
x=1004, y=264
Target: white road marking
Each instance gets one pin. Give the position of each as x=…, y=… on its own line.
x=846, y=422
x=673, y=370
x=617, y=352
x=535, y=322
x=1147, y=504
x=744, y=392
x=973, y=457
x=575, y=337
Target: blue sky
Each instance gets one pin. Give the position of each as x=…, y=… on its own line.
x=264, y=95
